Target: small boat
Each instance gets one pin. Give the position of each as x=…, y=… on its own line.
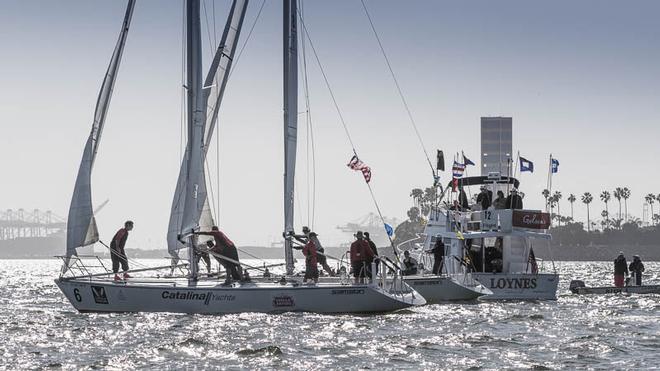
x=451, y=284
x=579, y=287
x=193, y=293
x=495, y=245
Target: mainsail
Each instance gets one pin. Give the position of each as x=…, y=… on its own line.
x=81, y=224
x=213, y=90
x=290, y=41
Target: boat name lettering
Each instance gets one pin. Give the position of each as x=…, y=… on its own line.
x=206, y=297
x=513, y=283
x=348, y=292
x=532, y=220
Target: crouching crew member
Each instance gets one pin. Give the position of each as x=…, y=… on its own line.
x=225, y=248
x=117, y=253
x=409, y=264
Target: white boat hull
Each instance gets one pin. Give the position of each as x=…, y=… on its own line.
x=437, y=289
x=519, y=286
x=212, y=298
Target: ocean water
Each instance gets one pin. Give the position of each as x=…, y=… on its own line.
x=40, y=329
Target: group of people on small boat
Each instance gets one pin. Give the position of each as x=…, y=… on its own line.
x=485, y=200
x=363, y=252
x=622, y=270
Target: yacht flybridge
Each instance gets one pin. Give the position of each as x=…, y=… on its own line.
x=494, y=246
x=91, y=289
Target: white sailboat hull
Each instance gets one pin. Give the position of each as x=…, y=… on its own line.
x=519, y=286
x=212, y=298
x=437, y=289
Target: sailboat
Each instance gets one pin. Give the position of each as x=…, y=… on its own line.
x=97, y=292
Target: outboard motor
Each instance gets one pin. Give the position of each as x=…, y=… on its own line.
x=575, y=285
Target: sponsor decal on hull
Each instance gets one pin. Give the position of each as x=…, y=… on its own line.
x=100, y=297
x=205, y=297
x=280, y=301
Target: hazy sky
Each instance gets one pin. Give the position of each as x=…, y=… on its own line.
x=580, y=79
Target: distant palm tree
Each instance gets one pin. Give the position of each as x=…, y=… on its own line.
x=606, y=219
x=571, y=199
x=650, y=198
x=625, y=195
x=618, y=193
x=417, y=194
x=556, y=197
x=606, y=197
x=587, y=198
x=546, y=195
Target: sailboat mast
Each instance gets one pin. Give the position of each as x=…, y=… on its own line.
x=196, y=190
x=290, y=51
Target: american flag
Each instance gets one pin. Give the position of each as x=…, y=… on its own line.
x=458, y=169
x=357, y=164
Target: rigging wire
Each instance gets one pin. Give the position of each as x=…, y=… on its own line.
x=310, y=135
x=183, y=81
x=343, y=122
x=398, y=88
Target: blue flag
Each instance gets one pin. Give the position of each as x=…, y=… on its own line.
x=526, y=165
x=467, y=161
x=555, y=165
x=389, y=230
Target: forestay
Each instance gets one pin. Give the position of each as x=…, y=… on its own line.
x=213, y=90
x=81, y=224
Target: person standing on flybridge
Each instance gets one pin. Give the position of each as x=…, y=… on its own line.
x=117, y=253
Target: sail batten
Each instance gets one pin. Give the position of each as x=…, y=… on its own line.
x=81, y=224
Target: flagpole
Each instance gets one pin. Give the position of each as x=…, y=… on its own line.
x=549, y=185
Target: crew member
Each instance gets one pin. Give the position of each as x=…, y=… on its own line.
x=438, y=252
x=485, y=198
x=620, y=269
x=374, y=249
x=225, y=248
x=202, y=254
x=117, y=253
x=500, y=201
x=636, y=268
x=514, y=201
x=409, y=264
x=360, y=254
x=307, y=236
x=311, y=262
x=463, y=199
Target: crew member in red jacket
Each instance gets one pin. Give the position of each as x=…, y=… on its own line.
x=311, y=261
x=225, y=248
x=361, y=255
x=117, y=253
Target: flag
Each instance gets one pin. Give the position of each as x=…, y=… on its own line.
x=526, y=165
x=440, y=161
x=554, y=165
x=466, y=160
x=458, y=169
x=357, y=165
x=389, y=230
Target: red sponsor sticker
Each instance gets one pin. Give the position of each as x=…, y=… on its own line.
x=531, y=219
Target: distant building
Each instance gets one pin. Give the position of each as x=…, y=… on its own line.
x=496, y=145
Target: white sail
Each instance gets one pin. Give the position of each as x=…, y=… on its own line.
x=214, y=88
x=81, y=224
x=290, y=120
